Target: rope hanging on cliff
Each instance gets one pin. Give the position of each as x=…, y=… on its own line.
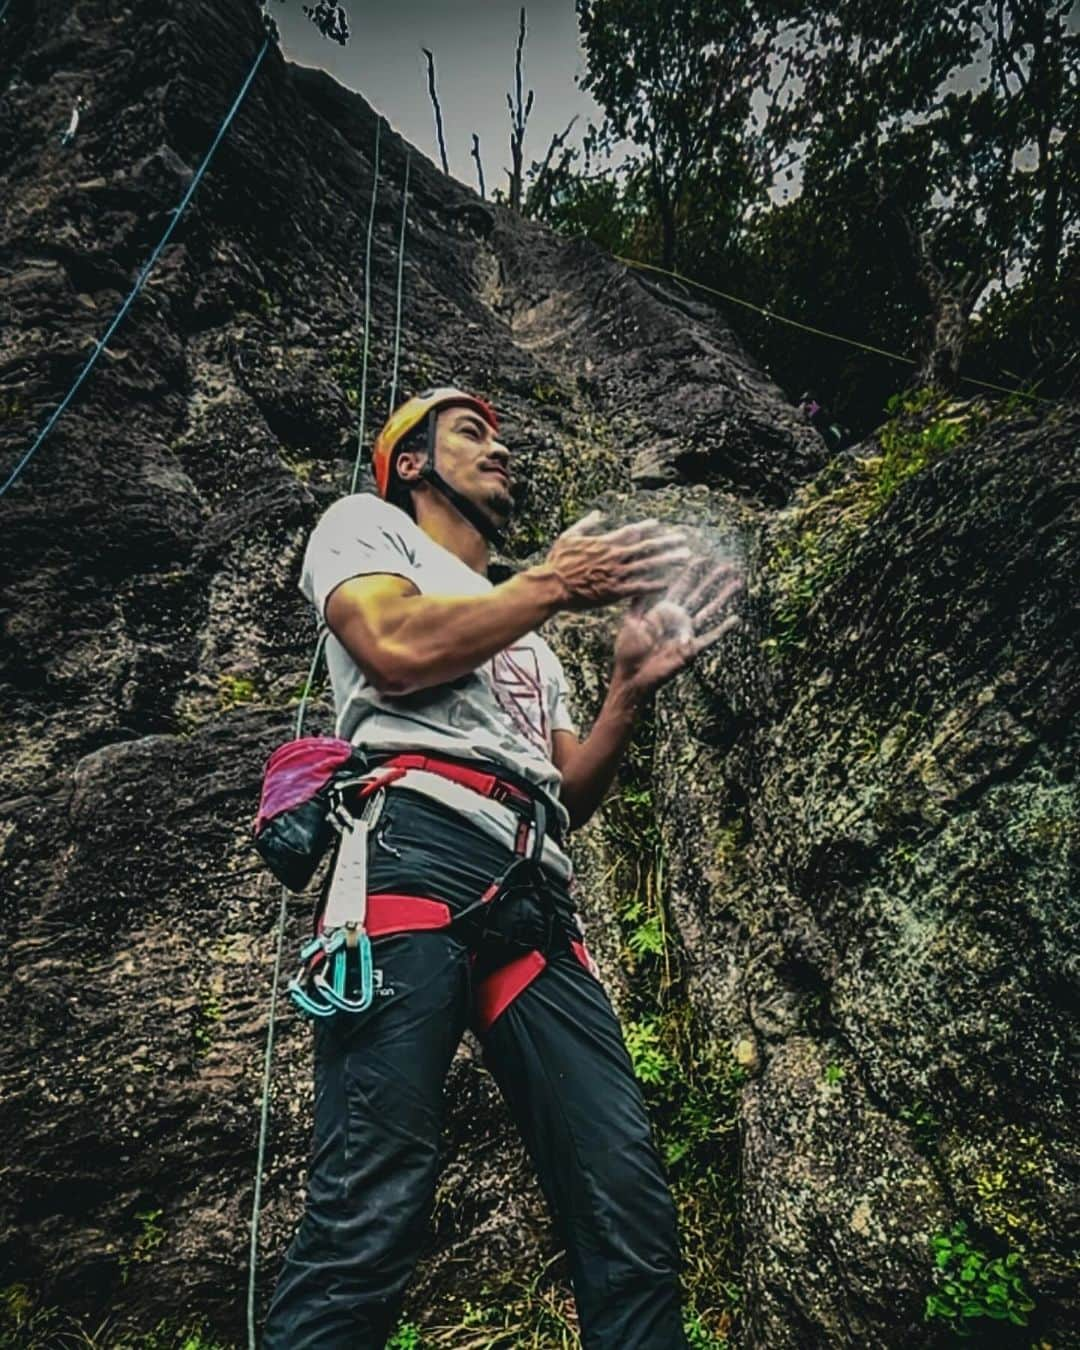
x=264, y=1104
x=400, y=287
x=3, y=9
x=367, y=315
x=817, y=332
x=179, y=211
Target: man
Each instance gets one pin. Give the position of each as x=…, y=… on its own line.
x=439, y=677
x=832, y=433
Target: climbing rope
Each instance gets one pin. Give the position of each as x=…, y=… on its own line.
x=808, y=328
x=3, y=9
x=264, y=1104
x=268, y=1056
x=367, y=312
x=179, y=211
x=400, y=287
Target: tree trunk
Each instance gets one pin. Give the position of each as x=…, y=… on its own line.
x=948, y=329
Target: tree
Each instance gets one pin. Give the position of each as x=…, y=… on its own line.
x=331, y=20
x=678, y=81
x=967, y=117
x=519, y=117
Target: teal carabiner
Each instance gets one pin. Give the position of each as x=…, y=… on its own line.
x=310, y=1001
x=309, y=1006
x=332, y=986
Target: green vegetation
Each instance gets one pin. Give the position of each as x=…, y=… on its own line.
x=932, y=220
x=346, y=367
x=909, y=442
x=834, y=1074
x=26, y=1325
x=974, y=1288
x=236, y=690
x=651, y=1062
x=209, y=1015
x=150, y=1237
x=406, y=1337
x=536, y=1315
x=691, y=1086
x=846, y=495
x=301, y=467
x=11, y=406
x=923, y=1124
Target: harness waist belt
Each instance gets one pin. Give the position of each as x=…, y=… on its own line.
x=525, y=799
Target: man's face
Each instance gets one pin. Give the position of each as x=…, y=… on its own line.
x=470, y=458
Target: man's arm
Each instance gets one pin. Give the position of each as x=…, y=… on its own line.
x=653, y=644
x=404, y=641
x=588, y=767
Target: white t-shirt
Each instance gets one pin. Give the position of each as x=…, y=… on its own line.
x=505, y=711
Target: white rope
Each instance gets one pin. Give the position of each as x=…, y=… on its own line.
x=367, y=313
x=400, y=284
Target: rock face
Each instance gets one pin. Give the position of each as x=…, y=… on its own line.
x=835, y=897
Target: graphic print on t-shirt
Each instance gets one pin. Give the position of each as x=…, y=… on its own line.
x=519, y=688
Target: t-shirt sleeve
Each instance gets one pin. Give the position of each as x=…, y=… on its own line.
x=358, y=536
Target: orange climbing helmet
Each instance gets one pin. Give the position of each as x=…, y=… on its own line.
x=409, y=415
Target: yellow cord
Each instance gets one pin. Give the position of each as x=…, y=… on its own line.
x=808, y=328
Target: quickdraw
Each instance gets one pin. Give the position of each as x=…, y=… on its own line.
x=336, y=972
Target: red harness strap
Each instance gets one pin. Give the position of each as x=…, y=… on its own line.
x=494, y=995
x=487, y=784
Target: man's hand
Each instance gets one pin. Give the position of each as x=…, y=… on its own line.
x=598, y=569
x=658, y=639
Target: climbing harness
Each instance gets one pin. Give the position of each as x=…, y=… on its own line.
x=315, y=785
x=173, y=222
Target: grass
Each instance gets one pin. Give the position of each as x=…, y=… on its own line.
x=25, y=1324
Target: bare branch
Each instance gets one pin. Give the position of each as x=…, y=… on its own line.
x=438, y=110
x=519, y=116
x=536, y=198
x=479, y=165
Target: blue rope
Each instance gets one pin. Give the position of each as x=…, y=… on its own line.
x=143, y=275
x=3, y=8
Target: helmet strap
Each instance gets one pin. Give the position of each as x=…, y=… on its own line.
x=472, y=513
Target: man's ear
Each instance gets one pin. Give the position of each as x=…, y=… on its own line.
x=409, y=463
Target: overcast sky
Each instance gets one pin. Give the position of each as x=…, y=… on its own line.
x=473, y=42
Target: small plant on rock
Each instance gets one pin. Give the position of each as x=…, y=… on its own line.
x=973, y=1286
x=651, y=1062
x=406, y=1337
